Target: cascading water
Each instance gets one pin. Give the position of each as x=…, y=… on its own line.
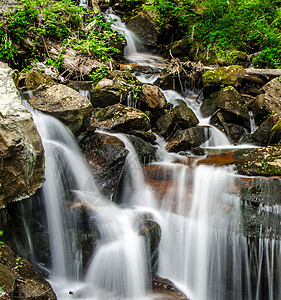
x=202, y=247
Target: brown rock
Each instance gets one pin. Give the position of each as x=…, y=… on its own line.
x=152, y=97
x=65, y=104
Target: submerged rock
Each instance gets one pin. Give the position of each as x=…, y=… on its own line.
x=120, y=117
x=19, y=280
x=21, y=151
x=65, y=104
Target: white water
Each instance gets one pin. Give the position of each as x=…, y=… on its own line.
x=202, y=249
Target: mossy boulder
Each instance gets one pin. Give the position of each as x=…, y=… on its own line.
x=223, y=76
x=275, y=135
x=120, y=117
x=208, y=107
x=34, y=79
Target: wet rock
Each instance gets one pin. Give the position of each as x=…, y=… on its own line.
x=263, y=134
x=106, y=93
x=120, y=117
x=106, y=157
x=236, y=132
x=65, y=104
x=145, y=28
x=259, y=162
x=261, y=217
x=275, y=136
x=186, y=139
x=268, y=102
x=181, y=117
x=184, y=117
x=152, y=97
x=21, y=151
x=151, y=231
x=208, y=108
x=18, y=279
x=214, y=79
x=166, y=289
x=145, y=151
x=149, y=137
x=232, y=106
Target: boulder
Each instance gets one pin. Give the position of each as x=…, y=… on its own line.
x=106, y=157
x=152, y=97
x=264, y=133
x=120, y=117
x=145, y=28
x=145, y=151
x=214, y=79
x=165, y=289
x=65, y=104
x=180, y=117
x=21, y=151
x=149, y=137
x=106, y=93
x=232, y=106
x=19, y=280
x=268, y=102
x=184, y=140
x=208, y=108
x=259, y=161
x=275, y=136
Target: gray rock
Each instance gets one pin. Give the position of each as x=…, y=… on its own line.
x=21, y=151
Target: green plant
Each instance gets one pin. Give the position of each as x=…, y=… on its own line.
x=99, y=73
x=1, y=234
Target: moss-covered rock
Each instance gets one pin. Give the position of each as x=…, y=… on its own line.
x=275, y=136
x=223, y=76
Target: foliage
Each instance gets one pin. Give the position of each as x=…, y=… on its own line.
x=1, y=233
x=35, y=21
x=99, y=73
x=224, y=25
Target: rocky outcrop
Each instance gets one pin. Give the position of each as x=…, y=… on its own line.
x=65, y=104
x=214, y=79
x=21, y=150
x=19, y=280
x=259, y=161
x=189, y=138
x=180, y=117
x=106, y=157
x=144, y=26
x=121, y=118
